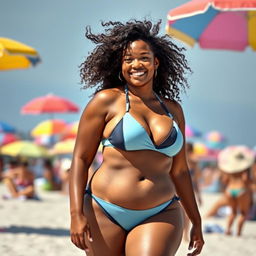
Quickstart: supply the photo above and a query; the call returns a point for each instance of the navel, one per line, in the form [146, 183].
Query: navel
[141, 178]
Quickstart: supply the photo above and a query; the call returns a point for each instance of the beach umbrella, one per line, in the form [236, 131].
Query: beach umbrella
[63, 147]
[24, 148]
[70, 131]
[16, 55]
[6, 138]
[49, 127]
[192, 132]
[45, 140]
[49, 104]
[4, 127]
[200, 149]
[215, 24]
[203, 152]
[215, 140]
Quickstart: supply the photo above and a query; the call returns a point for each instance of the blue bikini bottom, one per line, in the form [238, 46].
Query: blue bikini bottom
[126, 218]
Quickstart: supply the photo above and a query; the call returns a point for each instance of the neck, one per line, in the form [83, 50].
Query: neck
[143, 92]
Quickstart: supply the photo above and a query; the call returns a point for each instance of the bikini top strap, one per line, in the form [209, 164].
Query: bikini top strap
[163, 106]
[127, 105]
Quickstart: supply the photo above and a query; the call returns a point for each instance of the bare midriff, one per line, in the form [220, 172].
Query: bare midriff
[134, 179]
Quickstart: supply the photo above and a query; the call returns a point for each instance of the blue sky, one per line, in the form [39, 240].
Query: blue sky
[223, 83]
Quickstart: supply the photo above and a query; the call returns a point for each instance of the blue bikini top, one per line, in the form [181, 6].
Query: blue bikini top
[130, 135]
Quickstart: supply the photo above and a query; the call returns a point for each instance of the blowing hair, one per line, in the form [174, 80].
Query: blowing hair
[102, 67]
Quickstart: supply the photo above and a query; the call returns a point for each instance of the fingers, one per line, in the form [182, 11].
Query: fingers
[198, 245]
[88, 234]
[79, 239]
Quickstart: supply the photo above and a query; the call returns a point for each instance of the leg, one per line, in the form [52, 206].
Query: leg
[244, 203]
[11, 187]
[232, 202]
[160, 235]
[108, 238]
[27, 191]
[222, 201]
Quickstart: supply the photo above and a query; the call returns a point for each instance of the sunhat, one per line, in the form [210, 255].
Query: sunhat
[235, 159]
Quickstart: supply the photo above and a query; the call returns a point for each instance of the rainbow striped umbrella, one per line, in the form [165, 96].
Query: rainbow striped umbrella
[215, 24]
[70, 131]
[49, 127]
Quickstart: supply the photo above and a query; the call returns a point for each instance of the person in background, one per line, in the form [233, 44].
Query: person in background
[52, 182]
[235, 162]
[19, 180]
[195, 174]
[131, 204]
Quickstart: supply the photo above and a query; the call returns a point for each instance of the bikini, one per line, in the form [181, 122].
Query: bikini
[236, 192]
[130, 135]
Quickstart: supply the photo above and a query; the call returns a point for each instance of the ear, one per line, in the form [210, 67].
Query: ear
[156, 62]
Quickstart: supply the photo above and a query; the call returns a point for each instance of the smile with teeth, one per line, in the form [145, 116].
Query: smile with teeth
[138, 73]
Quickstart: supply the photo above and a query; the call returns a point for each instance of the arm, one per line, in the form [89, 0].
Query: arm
[90, 131]
[182, 181]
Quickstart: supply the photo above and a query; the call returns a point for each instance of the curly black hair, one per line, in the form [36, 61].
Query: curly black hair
[103, 66]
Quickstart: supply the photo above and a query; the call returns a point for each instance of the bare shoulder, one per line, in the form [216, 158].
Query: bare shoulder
[176, 109]
[103, 99]
[107, 96]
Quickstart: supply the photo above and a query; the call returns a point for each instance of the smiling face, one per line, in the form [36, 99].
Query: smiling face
[139, 64]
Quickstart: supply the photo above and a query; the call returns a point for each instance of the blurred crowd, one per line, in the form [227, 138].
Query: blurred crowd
[233, 177]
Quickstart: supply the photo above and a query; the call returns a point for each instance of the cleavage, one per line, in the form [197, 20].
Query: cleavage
[157, 128]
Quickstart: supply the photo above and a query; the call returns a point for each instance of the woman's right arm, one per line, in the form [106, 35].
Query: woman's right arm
[89, 135]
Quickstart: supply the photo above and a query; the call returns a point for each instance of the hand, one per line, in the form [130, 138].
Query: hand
[79, 229]
[196, 240]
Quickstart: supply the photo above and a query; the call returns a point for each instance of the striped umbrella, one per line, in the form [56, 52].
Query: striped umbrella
[215, 24]
[49, 127]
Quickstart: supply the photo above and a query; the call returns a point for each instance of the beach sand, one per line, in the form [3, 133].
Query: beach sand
[41, 228]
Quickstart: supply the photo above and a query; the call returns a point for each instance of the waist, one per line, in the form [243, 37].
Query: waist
[130, 189]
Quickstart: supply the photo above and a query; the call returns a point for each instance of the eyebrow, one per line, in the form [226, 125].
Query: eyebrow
[143, 53]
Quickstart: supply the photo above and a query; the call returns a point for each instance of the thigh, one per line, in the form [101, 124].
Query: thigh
[244, 202]
[160, 235]
[232, 202]
[108, 238]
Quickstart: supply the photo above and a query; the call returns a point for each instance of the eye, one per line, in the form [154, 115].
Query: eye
[145, 58]
[127, 59]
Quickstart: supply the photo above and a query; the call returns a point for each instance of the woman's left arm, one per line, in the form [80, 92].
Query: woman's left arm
[183, 184]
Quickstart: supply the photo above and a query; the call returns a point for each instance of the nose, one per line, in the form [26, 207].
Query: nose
[136, 63]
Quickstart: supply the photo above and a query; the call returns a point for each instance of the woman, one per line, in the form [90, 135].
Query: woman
[131, 205]
[235, 162]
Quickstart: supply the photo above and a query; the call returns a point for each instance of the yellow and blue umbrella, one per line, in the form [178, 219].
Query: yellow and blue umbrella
[215, 24]
[16, 55]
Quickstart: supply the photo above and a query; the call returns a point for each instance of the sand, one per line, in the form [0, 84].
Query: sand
[41, 228]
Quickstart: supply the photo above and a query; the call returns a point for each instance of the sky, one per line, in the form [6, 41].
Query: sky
[222, 86]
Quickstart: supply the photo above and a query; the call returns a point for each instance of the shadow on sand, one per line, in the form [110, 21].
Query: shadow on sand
[35, 230]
